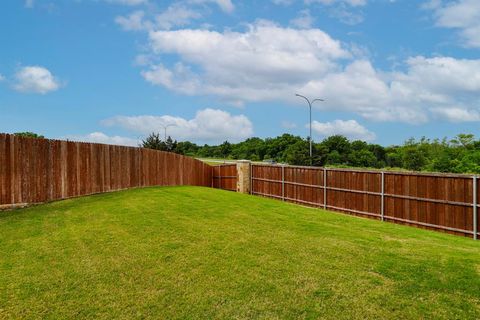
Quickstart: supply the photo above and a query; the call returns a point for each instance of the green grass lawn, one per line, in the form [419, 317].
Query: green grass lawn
[198, 253]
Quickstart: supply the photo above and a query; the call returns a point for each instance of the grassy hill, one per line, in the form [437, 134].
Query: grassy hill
[198, 253]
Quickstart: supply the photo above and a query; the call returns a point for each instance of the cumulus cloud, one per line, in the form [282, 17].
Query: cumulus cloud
[175, 15]
[208, 125]
[455, 114]
[225, 5]
[270, 63]
[100, 137]
[402, 96]
[35, 79]
[255, 65]
[349, 128]
[267, 62]
[463, 15]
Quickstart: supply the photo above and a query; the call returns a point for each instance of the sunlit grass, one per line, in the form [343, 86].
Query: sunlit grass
[189, 252]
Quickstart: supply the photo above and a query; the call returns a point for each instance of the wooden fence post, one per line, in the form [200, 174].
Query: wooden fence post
[382, 212]
[324, 188]
[475, 208]
[283, 182]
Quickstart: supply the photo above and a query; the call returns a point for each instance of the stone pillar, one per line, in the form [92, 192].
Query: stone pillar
[243, 176]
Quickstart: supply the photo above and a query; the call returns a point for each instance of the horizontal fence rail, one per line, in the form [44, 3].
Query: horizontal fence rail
[41, 170]
[225, 177]
[432, 201]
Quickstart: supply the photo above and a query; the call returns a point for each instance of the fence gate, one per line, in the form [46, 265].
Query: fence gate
[225, 177]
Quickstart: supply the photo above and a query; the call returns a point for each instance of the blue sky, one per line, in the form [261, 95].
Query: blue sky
[114, 70]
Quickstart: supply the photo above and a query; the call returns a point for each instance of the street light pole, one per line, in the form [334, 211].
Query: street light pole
[165, 128]
[310, 107]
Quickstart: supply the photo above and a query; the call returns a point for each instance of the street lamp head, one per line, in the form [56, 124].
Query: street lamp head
[310, 105]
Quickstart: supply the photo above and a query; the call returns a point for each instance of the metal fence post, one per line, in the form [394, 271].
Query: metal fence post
[382, 212]
[324, 188]
[475, 208]
[283, 182]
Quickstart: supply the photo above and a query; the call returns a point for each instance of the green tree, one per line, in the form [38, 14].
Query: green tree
[170, 144]
[225, 149]
[186, 148]
[393, 159]
[413, 159]
[153, 141]
[297, 153]
[363, 158]
[465, 140]
[28, 134]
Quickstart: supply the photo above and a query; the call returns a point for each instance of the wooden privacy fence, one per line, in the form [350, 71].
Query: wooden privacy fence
[433, 201]
[40, 170]
[225, 177]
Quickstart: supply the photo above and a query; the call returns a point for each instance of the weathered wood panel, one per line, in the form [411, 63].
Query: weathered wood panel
[40, 170]
[225, 177]
[431, 201]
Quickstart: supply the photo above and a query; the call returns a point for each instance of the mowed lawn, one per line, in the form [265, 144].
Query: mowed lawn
[199, 253]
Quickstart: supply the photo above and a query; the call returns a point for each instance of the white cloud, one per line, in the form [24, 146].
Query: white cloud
[346, 15]
[347, 11]
[455, 114]
[304, 20]
[267, 62]
[2, 78]
[133, 22]
[349, 128]
[255, 65]
[208, 125]
[428, 83]
[35, 79]
[463, 15]
[176, 15]
[29, 3]
[225, 5]
[100, 137]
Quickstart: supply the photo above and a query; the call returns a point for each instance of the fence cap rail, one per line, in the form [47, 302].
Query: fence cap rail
[76, 142]
[373, 171]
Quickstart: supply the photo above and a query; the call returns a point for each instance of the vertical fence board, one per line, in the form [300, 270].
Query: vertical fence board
[225, 177]
[39, 170]
[430, 201]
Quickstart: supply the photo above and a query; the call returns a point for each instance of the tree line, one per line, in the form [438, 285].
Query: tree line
[458, 155]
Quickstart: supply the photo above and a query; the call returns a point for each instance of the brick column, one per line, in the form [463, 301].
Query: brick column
[243, 176]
